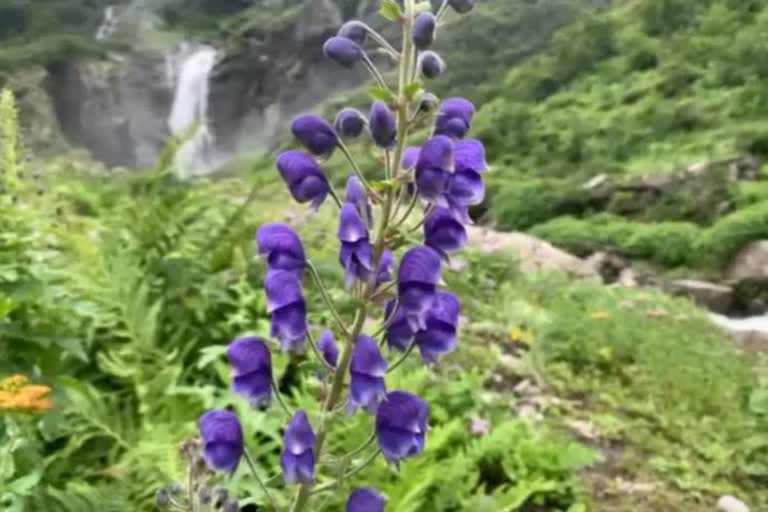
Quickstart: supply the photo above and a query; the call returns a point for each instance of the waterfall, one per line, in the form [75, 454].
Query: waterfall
[190, 110]
[108, 24]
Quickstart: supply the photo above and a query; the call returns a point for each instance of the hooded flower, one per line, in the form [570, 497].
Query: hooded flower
[424, 30]
[251, 365]
[349, 123]
[356, 255]
[410, 157]
[401, 425]
[329, 349]
[315, 134]
[285, 303]
[355, 194]
[298, 457]
[431, 64]
[443, 232]
[418, 277]
[222, 438]
[365, 499]
[354, 30]
[439, 337]
[469, 155]
[343, 51]
[462, 6]
[367, 370]
[433, 169]
[454, 118]
[386, 266]
[399, 333]
[304, 178]
[282, 248]
[382, 124]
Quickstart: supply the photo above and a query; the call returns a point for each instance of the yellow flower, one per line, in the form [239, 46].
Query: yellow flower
[17, 395]
[599, 315]
[518, 335]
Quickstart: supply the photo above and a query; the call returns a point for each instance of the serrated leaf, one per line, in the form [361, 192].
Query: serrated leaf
[380, 93]
[390, 10]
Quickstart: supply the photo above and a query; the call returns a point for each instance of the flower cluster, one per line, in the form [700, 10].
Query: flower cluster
[18, 395]
[440, 179]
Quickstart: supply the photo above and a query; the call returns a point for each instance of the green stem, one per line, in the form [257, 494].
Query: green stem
[283, 405]
[345, 150]
[327, 298]
[349, 474]
[374, 72]
[263, 486]
[378, 38]
[402, 358]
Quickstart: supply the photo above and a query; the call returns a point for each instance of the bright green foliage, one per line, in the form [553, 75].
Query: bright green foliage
[9, 139]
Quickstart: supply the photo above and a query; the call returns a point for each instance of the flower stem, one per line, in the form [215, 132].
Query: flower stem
[344, 149]
[327, 298]
[261, 483]
[402, 358]
[283, 405]
[374, 71]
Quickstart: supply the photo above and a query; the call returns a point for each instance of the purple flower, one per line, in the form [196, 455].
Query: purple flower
[298, 457]
[433, 169]
[367, 370]
[454, 118]
[469, 155]
[355, 194]
[424, 30]
[439, 337]
[251, 365]
[222, 440]
[401, 425]
[343, 51]
[282, 248]
[304, 178]
[329, 349]
[354, 30]
[431, 64]
[410, 157]
[417, 284]
[462, 6]
[285, 303]
[356, 255]
[399, 333]
[465, 188]
[382, 124]
[443, 232]
[349, 123]
[365, 499]
[315, 134]
[385, 268]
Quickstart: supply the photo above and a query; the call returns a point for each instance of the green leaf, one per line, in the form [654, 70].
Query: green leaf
[380, 93]
[390, 10]
[413, 89]
[424, 6]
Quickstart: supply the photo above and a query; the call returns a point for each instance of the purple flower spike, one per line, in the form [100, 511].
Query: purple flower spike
[417, 284]
[251, 365]
[285, 303]
[354, 30]
[329, 349]
[304, 178]
[349, 123]
[222, 438]
[424, 30]
[399, 333]
[282, 248]
[454, 118]
[410, 157]
[298, 457]
[343, 51]
[356, 255]
[315, 134]
[386, 266]
[431, 64]
[443, 232]
[367, 371]
[401, 425]
[442, 325]
[462, 6]
[355, 194]
[469, 155]
[382, 124]
[365, 499]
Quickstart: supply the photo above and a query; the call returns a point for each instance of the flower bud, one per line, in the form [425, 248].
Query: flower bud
[349, 123]
[298, 456]
[329, 349]
[204, 496]
[343, 51]
[163, 498]
[462, 6]
[424, 30]
[431, 65]
[175, 488]
[427, 103]
[354, 30]
[382, 125]
[220, 495]
[315, 134]
[365, 499]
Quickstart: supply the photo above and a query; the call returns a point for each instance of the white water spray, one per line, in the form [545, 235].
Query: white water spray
[108, 24]
[190, 111]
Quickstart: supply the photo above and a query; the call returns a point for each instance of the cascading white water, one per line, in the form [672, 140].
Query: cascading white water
[190, 111]
[108, 24]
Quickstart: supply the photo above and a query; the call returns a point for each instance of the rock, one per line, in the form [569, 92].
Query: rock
[750, 334]
[750, 264]
[715, 297]
[628, 278]
[731, 504]
[533, 253]
[609, 266]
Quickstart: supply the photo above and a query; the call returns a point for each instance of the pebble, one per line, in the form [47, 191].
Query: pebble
[731, 504]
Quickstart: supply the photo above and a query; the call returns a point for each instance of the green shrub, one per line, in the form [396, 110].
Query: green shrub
[733, 232]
